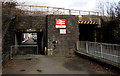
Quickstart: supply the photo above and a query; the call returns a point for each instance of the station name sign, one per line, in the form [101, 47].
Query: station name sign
[60, 23]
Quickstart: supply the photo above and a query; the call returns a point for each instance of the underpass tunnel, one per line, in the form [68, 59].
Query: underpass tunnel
[40, 42]
[31, 38]
[18, 38]
[87, 32]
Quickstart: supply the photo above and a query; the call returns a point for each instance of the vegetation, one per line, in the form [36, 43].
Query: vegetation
[110, 28]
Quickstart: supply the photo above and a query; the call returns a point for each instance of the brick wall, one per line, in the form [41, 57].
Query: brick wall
[31, 22]
[66, 43]
[19, 24]
[7, 39]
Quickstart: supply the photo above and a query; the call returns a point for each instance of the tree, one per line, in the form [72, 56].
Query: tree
[111, 27]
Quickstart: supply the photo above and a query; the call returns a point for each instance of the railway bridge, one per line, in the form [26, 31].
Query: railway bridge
[58, 32]
[54, 27]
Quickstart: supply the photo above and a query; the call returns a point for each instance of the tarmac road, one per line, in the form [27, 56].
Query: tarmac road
[41, 64]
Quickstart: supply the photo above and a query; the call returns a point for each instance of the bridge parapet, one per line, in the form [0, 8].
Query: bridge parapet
[46, 10]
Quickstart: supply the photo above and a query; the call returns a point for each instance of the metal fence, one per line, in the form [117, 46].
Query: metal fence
[46, 10]
[110, 52]
[23, 51]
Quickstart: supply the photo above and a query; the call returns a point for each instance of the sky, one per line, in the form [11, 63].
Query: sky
[87, 5]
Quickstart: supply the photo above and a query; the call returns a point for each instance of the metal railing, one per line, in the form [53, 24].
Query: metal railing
[105, 51]
[38, 10]
[18, 51]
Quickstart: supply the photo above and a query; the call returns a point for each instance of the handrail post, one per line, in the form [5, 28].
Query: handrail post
[69, 12]
[87, 47]
[101, 49]
[79, 12]
[37, 50]
[78, 44]
[47, 10]
[11, 57]
[89, 13]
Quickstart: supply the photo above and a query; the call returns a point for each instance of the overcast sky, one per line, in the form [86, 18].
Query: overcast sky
[88, 5]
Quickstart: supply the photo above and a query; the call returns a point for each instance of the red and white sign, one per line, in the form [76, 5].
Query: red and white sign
[60, 23]
[63, 31]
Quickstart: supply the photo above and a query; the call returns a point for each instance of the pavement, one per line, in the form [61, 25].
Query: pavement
[29, 41]
[42, 64]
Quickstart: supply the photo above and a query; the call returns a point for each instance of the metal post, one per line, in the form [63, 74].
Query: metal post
[95, 35]
[99, 22]
[45, 50]
[87, 48]
[101, 49]
[11, 57]
[47, 10]
[89, 13]
[77, 45]
[53, 11]
[69, 12]
[98, 13]
[58, 12]
[63, 11]
[30, 10]
[37, 49]
[79, 13]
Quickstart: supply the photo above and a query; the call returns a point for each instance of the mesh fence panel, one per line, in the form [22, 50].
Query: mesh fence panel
[23, 51]
[105, 51]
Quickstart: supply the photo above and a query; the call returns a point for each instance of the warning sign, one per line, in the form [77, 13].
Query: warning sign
[62, 31]
[60, 23]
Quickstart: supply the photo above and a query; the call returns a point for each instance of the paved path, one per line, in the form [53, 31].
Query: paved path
[30, 41]
[50, 65]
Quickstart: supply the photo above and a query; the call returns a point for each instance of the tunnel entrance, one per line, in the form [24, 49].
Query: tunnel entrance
[33, 40]
[87, 32]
